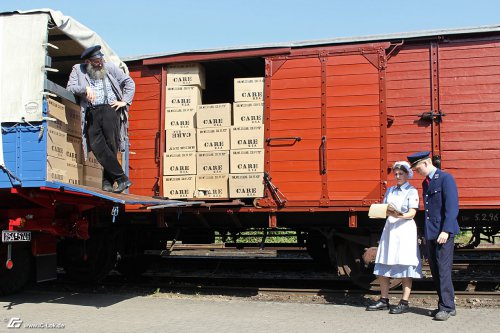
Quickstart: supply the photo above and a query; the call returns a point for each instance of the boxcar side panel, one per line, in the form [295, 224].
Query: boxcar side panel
[353, 128]
[144, 123]
[295, 111]
[469, 84]
[408, 96]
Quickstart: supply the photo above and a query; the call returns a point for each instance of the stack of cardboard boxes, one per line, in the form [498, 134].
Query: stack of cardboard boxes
[208, 156]
[64, 147]
[183, 95]
[247, 139]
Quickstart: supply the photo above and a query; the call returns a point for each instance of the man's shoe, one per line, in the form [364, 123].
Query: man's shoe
[442, 315]
[380, 305]
[122, 185]
[107, 186]
[400, 308]
[433, 313]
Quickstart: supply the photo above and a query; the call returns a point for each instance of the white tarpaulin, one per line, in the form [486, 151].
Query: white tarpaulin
[22, 59]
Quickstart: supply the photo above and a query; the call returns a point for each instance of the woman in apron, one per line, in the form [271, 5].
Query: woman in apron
[397, 254]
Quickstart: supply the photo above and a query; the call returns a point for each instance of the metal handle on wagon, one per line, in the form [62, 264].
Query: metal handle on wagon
[323, 155]
[157, 147]
[294, 138]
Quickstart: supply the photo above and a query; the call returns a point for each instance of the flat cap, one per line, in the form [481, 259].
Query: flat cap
[92, 52]
[417, 157]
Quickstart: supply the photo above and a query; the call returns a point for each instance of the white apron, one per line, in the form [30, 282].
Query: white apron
[398, 243]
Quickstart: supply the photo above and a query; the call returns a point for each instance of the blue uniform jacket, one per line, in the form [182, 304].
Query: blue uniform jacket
[441, 205]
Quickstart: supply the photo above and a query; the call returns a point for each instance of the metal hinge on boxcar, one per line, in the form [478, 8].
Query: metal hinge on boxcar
[432, 116]
[277, 195]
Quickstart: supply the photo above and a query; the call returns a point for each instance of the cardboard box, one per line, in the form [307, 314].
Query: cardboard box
[56, 110]
[249, 89]
[212, 162]
[92, 161]
[74, 119]
[213, 115]
[92, 176]
[176, 164]
[179, 187]
[180, 140]
[247, 160]
[247, 137]
[212, 186]
[74, 150]
[210, 139]
[248, 113]
[182, 96]
[186, 75]
[74, 173]
[56, 141]
[246, 185]
[56, 169]
[180, 118]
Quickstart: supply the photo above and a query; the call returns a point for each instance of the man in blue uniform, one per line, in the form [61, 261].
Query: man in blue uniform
[440, 196]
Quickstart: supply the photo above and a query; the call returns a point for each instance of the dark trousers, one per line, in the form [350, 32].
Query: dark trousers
[103, 132]
[440, 258]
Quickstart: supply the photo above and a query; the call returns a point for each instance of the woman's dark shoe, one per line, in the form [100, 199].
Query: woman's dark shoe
[380, 305]
[400, 308]
[122, 184]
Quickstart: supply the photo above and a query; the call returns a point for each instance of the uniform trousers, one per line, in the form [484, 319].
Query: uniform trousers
[103, 132]
[440, 258]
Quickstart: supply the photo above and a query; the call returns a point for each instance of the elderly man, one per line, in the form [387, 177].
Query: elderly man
[440, 227]
[105, 93]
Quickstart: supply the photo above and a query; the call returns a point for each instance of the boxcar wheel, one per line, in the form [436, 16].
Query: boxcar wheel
[15, 279]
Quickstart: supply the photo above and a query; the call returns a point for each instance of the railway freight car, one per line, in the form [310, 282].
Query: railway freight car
[52, 211]
[336, 115]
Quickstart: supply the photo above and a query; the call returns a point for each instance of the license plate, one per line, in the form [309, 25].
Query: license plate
[15, 236]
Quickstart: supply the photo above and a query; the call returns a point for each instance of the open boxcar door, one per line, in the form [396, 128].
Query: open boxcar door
[325, 125]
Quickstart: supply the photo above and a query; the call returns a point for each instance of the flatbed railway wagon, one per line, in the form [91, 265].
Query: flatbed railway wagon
[52, 211]
[336, 114]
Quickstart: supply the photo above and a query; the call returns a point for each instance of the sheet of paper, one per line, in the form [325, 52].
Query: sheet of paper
[378, 211]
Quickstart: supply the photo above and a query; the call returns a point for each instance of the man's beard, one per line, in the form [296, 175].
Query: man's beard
[96, 73]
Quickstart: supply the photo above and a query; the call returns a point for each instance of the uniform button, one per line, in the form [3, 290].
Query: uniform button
[426, 210]
[427, 218]
[426, 203]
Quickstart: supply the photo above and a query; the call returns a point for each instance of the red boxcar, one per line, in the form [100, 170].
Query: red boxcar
[337, 115]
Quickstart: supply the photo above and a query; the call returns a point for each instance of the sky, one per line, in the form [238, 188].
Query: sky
[139, 27]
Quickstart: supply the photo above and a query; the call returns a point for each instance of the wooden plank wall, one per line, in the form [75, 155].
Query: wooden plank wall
[295, 110]
[469, 79]
[408, 93]
[353, 128]
[144, 123]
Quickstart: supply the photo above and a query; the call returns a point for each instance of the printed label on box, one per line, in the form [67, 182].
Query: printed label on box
[249, 185]
[179, 187]
[180, 140]
[210, 139]
[212, 162]
[247, 160]
[213, 115]
[247, 137]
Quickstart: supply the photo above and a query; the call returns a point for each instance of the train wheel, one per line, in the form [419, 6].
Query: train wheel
[317, 248]
[350, 262]
[91, 260]
[15, 279]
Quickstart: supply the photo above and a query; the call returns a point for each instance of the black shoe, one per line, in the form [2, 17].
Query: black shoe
[433, 313]
[380, 305]
[122, 184]
[107, 186]
[400, 308]
[442, 315]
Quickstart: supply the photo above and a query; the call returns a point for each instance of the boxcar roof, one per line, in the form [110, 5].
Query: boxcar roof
[333, 41]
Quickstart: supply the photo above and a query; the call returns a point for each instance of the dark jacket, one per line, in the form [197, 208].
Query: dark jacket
[123, 87]
[441, 205]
